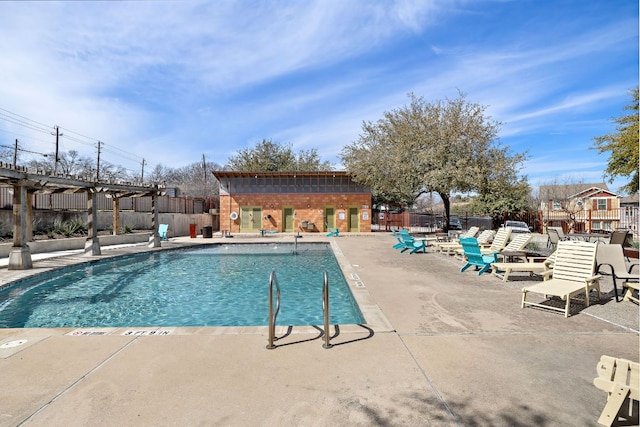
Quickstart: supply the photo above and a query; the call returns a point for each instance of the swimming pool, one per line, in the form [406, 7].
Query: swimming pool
[216, 285]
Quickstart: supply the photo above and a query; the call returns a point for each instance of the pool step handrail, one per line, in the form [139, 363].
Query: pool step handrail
[273, 312]
[325, 309]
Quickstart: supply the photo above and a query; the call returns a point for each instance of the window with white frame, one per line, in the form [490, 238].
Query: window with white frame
[557, 206]
[602, 204]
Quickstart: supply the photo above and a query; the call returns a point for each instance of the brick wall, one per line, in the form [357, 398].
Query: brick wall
[306, 207]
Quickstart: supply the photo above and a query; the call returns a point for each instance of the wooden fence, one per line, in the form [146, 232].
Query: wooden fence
[78, 202]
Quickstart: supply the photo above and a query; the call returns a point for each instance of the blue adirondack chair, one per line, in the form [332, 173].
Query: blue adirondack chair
[162, 231]
[396, 234]
[333, 232]
[474, 257]
[410, 243]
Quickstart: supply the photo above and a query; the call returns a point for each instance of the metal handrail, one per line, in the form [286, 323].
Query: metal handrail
[295, 243]
[325, 309]
[273, 314]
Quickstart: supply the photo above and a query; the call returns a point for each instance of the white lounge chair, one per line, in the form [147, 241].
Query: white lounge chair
[450, 248]
[504, 269]
[499, 241]
[573, 274]
[517, 244]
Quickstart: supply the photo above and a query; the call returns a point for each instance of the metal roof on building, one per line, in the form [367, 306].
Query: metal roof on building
[237, 174]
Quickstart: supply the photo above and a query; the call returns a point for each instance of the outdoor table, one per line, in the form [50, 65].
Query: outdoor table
[442, 237]
[524, 255]
[586, 236]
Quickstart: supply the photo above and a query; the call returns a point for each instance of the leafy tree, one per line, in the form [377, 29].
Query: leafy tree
[268, 156]
[444, 147]
[623, 145]
[377, 160]
[501, 189]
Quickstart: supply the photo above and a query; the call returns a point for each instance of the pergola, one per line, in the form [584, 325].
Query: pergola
[25, 182]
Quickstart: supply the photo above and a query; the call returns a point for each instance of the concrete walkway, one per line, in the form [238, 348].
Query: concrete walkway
[447, 348]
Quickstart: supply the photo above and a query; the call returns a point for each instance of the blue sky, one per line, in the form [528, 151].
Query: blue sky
[171, 81]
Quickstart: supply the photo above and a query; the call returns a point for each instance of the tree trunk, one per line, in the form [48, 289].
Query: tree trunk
[447, 208]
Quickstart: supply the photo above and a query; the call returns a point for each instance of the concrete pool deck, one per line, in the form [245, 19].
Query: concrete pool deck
[457, 349]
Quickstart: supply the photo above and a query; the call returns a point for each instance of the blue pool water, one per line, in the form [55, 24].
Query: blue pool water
[218, 285]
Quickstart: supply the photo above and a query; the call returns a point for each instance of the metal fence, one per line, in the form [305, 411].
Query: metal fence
[78, 202]
[424, 222]
[594, 221]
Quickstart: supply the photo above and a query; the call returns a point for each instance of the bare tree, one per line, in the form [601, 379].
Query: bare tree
[557, 197]
[195, 179]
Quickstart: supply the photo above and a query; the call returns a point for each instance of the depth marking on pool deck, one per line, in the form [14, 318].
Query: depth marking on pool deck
[147, 333]
[85, 333]
[81, 333]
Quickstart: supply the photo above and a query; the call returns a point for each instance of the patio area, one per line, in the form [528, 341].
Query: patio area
[449, 349]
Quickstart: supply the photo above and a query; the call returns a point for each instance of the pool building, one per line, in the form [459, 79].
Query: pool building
[307, 202]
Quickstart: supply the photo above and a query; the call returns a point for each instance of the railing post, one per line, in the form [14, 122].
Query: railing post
[273, 314]
[325, 307]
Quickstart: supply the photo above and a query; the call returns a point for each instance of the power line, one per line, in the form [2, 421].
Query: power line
[25, 118]
[120, 155]
[20, 120]
[23, 150]
[26, 136]
[23, 124]
[126, 152]
[79, 134]
[71, 138]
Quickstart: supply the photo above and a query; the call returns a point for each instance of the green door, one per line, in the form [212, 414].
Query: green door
[287, 219]
[354, 224]
[250, 219]
[329, 218]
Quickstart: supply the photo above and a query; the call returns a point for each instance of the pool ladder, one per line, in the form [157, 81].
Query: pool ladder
[325, 310]
[273, 311]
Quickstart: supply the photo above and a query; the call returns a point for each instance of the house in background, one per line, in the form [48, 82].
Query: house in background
[629, 213]
[292, 202]
[582, 208]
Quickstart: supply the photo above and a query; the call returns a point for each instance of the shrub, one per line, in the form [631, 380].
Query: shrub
[69, 228]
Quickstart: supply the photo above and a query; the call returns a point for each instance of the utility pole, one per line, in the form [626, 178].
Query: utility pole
[98, 164]
[15, 154]
[142, 175]
[58, 135]
[204, 169]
